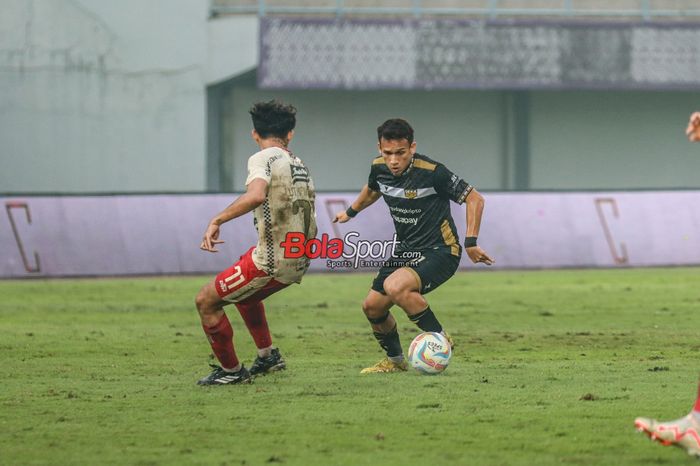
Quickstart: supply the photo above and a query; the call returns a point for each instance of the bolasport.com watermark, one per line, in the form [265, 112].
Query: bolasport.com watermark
[348, 252]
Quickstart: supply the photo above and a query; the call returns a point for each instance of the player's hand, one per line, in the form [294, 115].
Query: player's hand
[693, 129]
[476, 254]
[341, 217]
[211, 238]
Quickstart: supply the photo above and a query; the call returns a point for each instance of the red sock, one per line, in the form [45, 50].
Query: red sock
[254, 317]
[697, 401]
[221, 340]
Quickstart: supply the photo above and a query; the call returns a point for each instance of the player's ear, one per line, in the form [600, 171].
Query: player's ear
[290, 135]
[256, 137]
[379, 147]
[413, 147]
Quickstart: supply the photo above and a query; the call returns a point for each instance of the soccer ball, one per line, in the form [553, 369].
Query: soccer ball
[429, 353]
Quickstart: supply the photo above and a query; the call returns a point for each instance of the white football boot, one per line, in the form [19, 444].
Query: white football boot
[683, 433]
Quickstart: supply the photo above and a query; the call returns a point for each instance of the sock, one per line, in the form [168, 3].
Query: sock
[696, 408]
[390, 343]
[221, 340]
[234, 369]
[426, 321]
[265, 352]
[254, 317]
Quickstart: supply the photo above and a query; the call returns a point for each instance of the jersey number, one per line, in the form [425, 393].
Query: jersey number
[237, 278]
[304, 206]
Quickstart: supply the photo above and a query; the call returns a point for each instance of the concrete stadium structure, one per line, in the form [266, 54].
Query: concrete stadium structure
[100, 96]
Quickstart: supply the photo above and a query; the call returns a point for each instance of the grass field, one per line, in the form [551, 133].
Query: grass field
[551, 368]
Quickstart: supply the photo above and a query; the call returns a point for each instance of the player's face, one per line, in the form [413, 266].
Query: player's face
[397, 154]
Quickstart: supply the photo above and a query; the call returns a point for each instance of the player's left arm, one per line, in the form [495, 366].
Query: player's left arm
[475, 208]
[255, 195]
[366, 198]
[456, 189]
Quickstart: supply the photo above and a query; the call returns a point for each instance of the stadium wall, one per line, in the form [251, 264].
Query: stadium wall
[98, 99]
[336, 132]
[139, 235]
[104, 96]
[612, 139]
[577, 139]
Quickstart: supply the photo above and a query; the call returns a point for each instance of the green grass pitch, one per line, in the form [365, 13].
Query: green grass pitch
[550, 368]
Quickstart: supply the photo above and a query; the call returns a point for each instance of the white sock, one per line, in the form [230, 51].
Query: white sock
[265, 352]
[233, 369]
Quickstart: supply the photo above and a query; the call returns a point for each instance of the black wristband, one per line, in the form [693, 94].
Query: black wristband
[470, 241]
[350, 212]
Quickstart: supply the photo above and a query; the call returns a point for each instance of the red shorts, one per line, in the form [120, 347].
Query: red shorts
[244, 283]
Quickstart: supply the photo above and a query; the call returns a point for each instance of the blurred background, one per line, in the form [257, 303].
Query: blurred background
[100, 96]
[124, 129]
[519, 97]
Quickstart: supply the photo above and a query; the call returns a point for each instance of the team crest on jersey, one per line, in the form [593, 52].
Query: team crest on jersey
[410, 193]
[300, 174]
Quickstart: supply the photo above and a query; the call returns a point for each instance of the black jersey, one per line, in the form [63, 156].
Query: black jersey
[419, 202]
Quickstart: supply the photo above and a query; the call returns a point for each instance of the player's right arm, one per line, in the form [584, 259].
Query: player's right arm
[693, 129]
[366, 198]
[255, 195]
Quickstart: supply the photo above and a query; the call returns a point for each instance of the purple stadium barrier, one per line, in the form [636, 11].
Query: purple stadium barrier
[160, 234]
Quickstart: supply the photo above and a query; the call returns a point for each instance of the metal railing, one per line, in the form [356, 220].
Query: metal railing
[642, 9]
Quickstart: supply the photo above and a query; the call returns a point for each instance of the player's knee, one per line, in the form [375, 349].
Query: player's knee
[202, 302]
[199, 302]
[367, 307]
[393, 288]
[372, 309]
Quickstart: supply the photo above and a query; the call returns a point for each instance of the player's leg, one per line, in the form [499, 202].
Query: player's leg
[376, 308]
[268, 357]
[219, 332]
[403, 288]
[407, 285]
[247, 286]
[683, 432]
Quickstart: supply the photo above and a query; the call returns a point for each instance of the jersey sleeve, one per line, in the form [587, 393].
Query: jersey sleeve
[451, 186]
[372, 181]
[258, 168]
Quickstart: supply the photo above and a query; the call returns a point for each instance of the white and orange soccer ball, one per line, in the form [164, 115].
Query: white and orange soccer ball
[429, 353]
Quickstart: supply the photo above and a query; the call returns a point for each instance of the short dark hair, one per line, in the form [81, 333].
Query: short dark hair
[273, 119]
[394, 130]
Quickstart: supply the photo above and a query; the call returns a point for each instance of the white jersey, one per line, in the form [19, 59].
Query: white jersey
[288, 207]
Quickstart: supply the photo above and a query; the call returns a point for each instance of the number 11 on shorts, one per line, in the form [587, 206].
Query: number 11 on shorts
[237, 278]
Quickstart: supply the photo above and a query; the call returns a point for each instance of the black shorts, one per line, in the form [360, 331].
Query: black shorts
[434, 267]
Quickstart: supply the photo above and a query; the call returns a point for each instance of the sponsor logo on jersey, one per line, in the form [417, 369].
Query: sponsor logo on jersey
[300, 174]
[402, 193]
[405, 220]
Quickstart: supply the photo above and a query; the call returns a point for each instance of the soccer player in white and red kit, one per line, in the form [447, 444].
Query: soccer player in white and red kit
[683, 432]
[281, 195]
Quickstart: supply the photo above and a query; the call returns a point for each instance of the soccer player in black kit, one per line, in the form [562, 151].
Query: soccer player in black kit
[418, 191]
